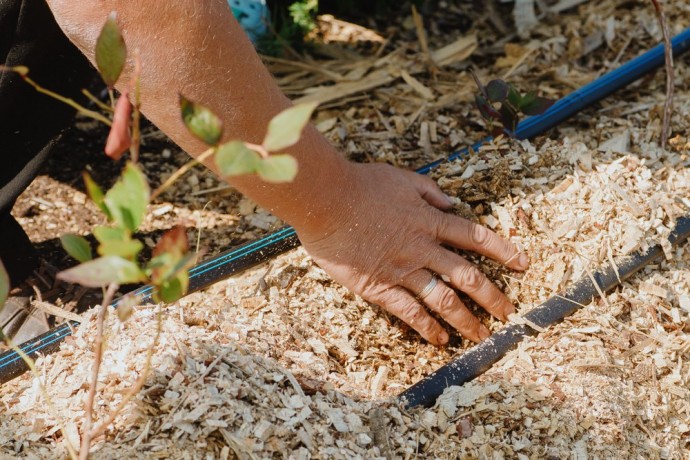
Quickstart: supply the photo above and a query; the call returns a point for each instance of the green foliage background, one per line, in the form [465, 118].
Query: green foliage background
[292, 20]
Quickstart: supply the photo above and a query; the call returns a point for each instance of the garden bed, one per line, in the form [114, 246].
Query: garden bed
[280, 361]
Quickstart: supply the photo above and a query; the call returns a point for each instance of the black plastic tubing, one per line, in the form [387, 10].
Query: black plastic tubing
[200, 276]
[482, 356]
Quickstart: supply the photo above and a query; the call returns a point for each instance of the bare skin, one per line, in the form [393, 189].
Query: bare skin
[375, 229]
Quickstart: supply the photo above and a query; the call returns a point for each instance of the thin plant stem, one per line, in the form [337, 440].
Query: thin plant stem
[98, 358]
[96, 101]
[80, 108]
[139, 384]
[65, 100]
[180, 172]
[136, 112]
[670, 87]
[260, 149]
[111, 96]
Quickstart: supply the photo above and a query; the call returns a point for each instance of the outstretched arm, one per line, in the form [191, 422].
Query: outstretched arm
[375, 229]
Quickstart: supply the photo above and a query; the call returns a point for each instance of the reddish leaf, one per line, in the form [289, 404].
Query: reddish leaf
[170, 264]
[499, 130]
[486, 109]
[174, 242]
[509, 117]
[119, 139]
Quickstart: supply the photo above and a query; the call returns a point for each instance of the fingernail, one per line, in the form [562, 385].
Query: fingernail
[507, 311]
[450, 201]
[443, 338]
[483, 332]
[523, 261]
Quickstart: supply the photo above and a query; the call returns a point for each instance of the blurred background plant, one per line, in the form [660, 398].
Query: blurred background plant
[290, 22]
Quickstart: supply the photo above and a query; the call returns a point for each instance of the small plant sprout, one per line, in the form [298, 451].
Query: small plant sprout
[500, 104]
[117, 256]
[236, 157]
[111, 52]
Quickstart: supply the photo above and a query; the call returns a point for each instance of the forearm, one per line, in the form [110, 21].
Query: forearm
[195, 47]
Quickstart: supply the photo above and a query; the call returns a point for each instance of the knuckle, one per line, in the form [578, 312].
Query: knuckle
[446, 302]
[472, 279]
[413, 314]
[439, 223]
[479, 236]
[467, 323]
[498, 304]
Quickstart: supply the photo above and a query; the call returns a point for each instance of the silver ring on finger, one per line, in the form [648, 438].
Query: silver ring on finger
[428, 288]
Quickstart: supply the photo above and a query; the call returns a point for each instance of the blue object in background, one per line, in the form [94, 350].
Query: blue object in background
[253, 16]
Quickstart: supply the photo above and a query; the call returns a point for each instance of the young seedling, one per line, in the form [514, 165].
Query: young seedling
[237, 157]
[501, 104]
[116, 260]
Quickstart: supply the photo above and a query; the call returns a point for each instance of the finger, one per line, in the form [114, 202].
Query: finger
[430, 192]
[463, 234]
[402, 304]
[445, 302]
[470, 280]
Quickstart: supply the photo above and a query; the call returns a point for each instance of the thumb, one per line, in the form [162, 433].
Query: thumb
[430, 192]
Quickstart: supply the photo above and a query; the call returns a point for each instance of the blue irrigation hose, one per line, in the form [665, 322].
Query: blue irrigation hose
[258, 251]
[593, 92]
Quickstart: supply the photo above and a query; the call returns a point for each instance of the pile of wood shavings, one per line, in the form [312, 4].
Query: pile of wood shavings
[573, 209]
[610, 382]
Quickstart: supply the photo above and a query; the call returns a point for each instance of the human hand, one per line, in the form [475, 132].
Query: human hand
[384, 242]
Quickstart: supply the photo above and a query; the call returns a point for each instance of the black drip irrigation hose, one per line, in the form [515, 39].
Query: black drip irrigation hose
[481, 357]
[201, 276]
[258, 251]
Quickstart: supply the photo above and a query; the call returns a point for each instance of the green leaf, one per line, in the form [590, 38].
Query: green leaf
[76, 246]
[527, 99]
[111, 52]
[234, 159]
[96, 194]
[117, 241]
[534, 105]
[103, 271]
[200, 121]
[127, 249]
[172, 289]
[278, 168]
[4, 286]
[514, 98]
[104, 234]
[497, 90]
[128, 198]
[285, 129]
